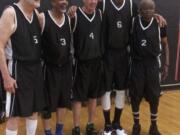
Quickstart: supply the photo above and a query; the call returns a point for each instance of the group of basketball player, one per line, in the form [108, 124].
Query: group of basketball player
[49, 60]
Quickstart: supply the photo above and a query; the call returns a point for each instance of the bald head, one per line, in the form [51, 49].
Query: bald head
[147, 9]
[146, 4]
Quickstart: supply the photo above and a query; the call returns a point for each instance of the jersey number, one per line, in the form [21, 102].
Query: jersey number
[144, 42]
[35, 39]
[63, 41]
[91, 35]
[119, 24]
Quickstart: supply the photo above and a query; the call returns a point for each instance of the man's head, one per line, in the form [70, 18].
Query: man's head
[90, 4]
[33, 3]
[60, 5]
[147, 9]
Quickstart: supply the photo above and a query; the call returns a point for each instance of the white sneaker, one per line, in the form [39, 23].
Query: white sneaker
[107, 133]
[120, 132]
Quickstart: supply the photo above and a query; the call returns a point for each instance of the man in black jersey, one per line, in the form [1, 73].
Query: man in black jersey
[86, 27]
[117, 20]
[56, 41]
[146, 49]
[20, 44]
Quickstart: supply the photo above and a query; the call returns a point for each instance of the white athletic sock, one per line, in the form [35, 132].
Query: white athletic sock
[31, 126]
[11, 132]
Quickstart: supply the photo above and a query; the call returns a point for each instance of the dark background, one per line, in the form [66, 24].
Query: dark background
[170, 9]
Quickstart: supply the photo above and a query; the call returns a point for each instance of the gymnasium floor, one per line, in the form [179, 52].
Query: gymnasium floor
[169, 118]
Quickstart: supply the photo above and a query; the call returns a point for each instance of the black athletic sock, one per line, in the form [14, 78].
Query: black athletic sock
[153, 119]
[135, 103]
[136, 118]
[154, 111]
[107, 117]
[117, 115]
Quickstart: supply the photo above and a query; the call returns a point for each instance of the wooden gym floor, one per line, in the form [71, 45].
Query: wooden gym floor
[169, 118]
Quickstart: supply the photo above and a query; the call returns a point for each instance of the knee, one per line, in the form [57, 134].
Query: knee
[12, 123]
[120, 99]
[33, 117]
[106, 101]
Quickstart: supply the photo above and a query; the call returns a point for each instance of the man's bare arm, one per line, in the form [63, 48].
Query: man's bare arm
[7, 22]
[166, 65]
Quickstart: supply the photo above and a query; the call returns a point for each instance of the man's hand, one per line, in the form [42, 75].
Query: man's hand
[10, 84]
[72, 10]
[161, 20]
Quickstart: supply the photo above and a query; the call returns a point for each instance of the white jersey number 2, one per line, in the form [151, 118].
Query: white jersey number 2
[144, 42]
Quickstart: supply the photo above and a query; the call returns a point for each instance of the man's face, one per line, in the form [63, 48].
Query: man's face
[90, 4]
[60, 5]
[34, 3]
[147, 11]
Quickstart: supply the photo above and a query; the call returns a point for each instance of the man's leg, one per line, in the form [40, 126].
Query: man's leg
[76, 117]
[90, 128]
[106, 98]
[154, 114]
[137, 83]
[47, 126]
[135, 103]
[46, 118]
[12, 126]
[60, 116]
[153, 94]
[31, 124]
[119, 105]
[106, 105]
[92, 110]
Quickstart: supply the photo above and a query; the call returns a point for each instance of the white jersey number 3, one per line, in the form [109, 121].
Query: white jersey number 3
[63, 41]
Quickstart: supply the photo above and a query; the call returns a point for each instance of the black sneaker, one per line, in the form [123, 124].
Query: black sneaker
[90, 129]
[154, 130]
[136, 129]
[107, 129]
[76, 131]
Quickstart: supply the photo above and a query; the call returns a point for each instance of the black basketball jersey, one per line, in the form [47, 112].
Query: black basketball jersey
[117, 22]
[146, 39]
[86, 34]
[56, 40]
[26, 40]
